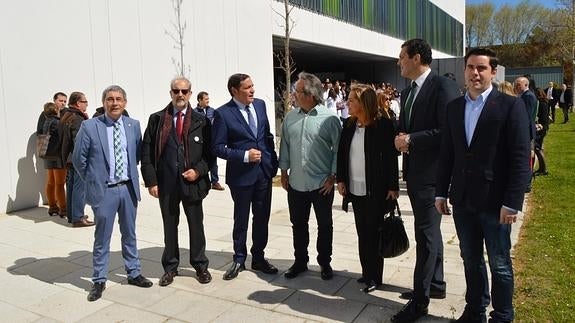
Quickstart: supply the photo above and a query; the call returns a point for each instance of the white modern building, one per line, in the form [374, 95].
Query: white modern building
[85, 45]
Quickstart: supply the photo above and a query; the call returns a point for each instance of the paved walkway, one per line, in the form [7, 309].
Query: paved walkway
[45, 270]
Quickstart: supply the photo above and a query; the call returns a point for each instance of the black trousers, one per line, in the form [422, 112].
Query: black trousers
[299, 209]
[367, 223]
[428, 271]
[170, 208]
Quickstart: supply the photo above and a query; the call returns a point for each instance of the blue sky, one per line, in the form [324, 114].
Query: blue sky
[546, 3]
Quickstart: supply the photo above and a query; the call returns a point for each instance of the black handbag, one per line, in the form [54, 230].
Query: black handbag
[393, 240]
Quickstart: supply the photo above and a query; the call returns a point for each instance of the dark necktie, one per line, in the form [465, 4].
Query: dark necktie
[119, 163]
[179, 125]
[251, 121]
[409, 102]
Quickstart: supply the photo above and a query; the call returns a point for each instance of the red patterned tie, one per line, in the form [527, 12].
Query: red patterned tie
[179, 125]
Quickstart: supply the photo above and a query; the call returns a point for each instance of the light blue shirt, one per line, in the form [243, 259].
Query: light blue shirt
[124, 144]
[473, 110]
[242, 108]
[309, 146]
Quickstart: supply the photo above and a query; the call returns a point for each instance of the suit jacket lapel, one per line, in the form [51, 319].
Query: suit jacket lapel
[421, 97]
[240, 117]
[103, 135]
[129, 137]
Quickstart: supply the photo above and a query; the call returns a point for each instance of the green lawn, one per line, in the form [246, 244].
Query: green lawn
[545, 254]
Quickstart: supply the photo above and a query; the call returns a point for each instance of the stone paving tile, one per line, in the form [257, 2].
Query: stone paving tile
[16, 314]
[191, 307]
[320, 307]
[67, 306]
[246, 314]
[122, 313]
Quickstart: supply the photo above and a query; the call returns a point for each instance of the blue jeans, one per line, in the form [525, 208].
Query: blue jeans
[473, 228]
[75, 196]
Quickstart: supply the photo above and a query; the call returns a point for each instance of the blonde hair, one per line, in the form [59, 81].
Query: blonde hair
[506, 87]
[366, 96]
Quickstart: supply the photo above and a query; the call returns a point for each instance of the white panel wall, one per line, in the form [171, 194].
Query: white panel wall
[86, 45]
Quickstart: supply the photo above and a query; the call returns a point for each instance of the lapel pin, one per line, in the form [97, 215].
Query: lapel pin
[196, 139]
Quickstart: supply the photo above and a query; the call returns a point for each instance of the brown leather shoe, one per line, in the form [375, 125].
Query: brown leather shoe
[83, 223]
[167, 278]
[204, 276]
[216, 186]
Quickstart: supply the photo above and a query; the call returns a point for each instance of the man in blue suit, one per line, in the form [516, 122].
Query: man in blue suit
[241, 135]
[106, 155]
[485, 159]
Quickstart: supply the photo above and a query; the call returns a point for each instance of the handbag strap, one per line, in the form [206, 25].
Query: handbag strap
[397, 208]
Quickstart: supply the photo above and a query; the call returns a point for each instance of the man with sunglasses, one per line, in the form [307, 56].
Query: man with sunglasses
[176, 159]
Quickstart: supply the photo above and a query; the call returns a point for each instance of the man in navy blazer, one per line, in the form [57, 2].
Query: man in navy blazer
[241, 135]
[106, 156]
[485, 158]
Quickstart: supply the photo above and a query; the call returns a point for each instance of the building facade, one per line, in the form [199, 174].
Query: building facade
[86, 45]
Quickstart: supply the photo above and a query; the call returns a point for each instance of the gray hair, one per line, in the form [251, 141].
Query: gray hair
[312, 86]
[113, 88]
[180, 78]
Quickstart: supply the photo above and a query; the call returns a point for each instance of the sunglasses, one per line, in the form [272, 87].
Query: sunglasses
[177, 91]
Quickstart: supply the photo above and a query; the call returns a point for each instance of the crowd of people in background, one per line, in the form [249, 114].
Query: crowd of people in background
[472, 148]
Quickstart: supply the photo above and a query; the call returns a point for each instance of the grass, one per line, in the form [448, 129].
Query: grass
[545, 254]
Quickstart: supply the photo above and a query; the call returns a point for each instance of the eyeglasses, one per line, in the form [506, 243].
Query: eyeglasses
[184, 91]
[83, 101]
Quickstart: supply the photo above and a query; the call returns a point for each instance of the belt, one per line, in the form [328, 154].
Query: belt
[118, 184]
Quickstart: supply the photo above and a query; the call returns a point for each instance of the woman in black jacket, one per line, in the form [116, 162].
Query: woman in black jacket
[367, 176]
[542, 127]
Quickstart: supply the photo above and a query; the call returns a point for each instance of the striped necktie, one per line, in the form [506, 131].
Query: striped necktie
[119, 162]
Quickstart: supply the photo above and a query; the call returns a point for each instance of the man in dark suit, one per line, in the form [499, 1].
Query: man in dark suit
[176, 157]
[241, 135]
[420, 121]
[204, 108]
[565, 101]
[553, 97]
[106, 156]
[484, 157]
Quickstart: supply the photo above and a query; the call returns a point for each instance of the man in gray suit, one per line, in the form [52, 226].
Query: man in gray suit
[106, 155]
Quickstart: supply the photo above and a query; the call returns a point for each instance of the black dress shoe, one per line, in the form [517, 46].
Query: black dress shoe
[96, 291]
[326, 272]
[140, 281]
[168, 278]
[265, 267]
[295, 270]
[234, 270]
[410, 312]
[468, 317]
[432, 294]
[370, 287]
[204, 276]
